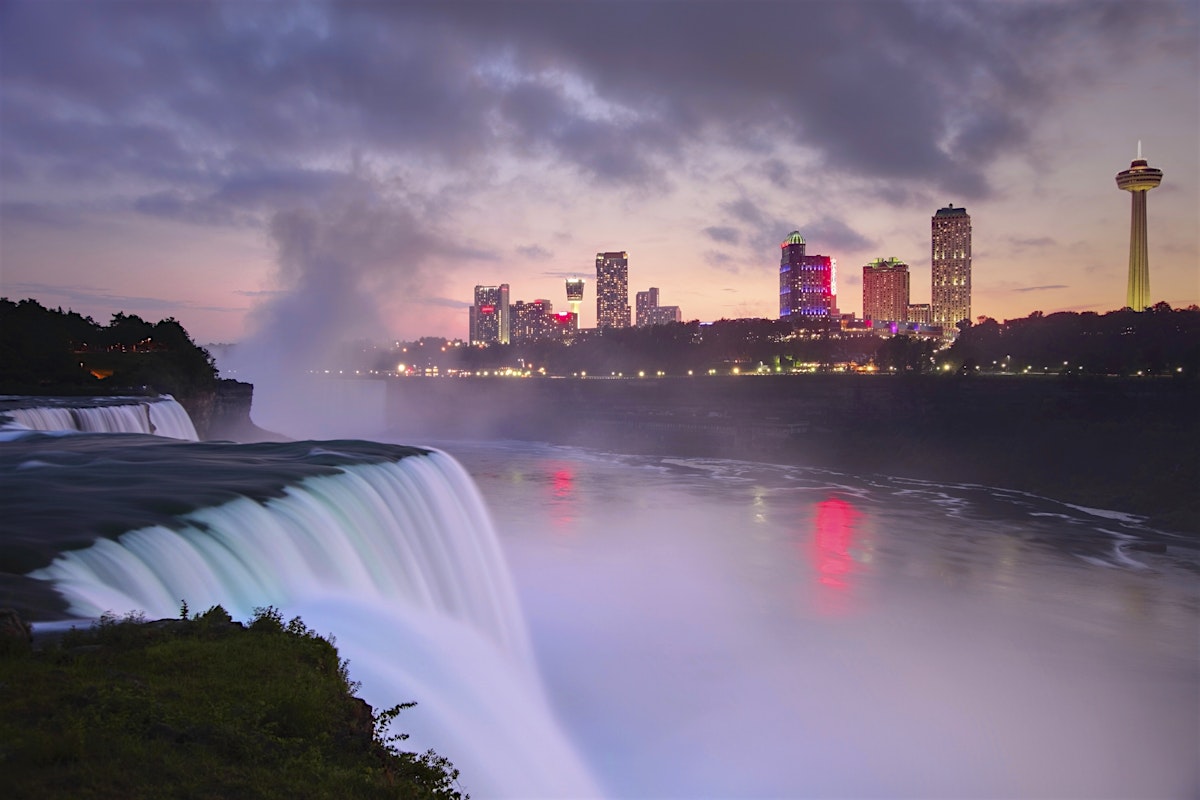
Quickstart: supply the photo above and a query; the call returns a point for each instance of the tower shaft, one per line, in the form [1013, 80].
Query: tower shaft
[1137, 293]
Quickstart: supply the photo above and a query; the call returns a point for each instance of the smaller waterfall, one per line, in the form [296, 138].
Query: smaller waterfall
[161, 416]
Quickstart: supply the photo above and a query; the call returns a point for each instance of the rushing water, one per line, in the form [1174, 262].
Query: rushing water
[665, 627]
[717, 628]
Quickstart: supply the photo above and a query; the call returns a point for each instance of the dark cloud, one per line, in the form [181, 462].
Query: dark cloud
[831, 236]
[723, 234]
[56, 216]
[928, 92]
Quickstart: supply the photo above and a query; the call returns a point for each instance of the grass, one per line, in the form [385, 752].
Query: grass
[199, 707]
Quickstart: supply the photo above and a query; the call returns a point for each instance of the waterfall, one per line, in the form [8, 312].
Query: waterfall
[161, 416]
[400, 561]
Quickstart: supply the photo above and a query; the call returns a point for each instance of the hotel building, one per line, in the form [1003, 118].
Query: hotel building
[885, 290]
[489, 320]
[951, 272]
[612, 290]
[807, 284]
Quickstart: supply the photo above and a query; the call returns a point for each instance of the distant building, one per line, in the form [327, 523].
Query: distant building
[919, 313]
[612, 290]
[532, 321]
[885, 290]
[649, 312]
[575, 295]
[807, 284]
[951, 239]
[489, 318]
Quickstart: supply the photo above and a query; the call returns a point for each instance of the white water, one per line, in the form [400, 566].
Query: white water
[399, 561]
[161, 417]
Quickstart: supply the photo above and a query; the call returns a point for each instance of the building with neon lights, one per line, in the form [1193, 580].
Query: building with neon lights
[1138, 180]
[612, 290]
[951, 272]
[885, 290]
[489, 315]
[807, 283]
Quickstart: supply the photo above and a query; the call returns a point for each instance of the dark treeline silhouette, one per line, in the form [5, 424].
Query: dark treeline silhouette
[51, 351]
[1159, 340]
[1156, 341]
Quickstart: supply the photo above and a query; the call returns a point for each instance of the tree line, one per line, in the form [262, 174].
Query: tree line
[51, 351]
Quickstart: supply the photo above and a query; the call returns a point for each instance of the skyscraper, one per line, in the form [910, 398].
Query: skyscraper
[885, 290]
[951, 295]
[1139, 179]
[489, 315]
[612, 290]
[806, 283]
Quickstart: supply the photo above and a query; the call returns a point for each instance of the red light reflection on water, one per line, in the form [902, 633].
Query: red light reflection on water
[834, 533]
[563, 500]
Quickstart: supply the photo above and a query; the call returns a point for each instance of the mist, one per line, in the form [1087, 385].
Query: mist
[348, 260]
[725, 629]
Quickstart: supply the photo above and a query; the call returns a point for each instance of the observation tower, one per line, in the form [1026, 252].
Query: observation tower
[575, 294]
[1137, 180]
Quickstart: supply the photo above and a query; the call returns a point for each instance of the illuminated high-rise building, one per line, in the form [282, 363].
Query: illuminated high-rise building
[489, 315]
[885, 290]
[919, 313]
[532, 321]
[951, 296]
[574, 294]
[807, 284]
[645, 301]
[1139, 179]
[612, 290]
[649, 312]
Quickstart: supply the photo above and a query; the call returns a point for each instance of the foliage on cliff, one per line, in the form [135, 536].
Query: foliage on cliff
[51, 351]
[1159, 340]
[200, 707]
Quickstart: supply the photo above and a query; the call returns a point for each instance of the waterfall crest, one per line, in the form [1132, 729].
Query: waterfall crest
[400, 560]
[161, 416]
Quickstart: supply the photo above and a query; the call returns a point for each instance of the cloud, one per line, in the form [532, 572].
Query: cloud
[931, 93]
[534, 252]
[92, 296]
[828, 235]
[1033, 241]
[723, 234]
[720, 260]
[446, 302]
[1041, 288]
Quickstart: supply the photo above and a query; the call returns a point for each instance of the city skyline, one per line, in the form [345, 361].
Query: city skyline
[361, 168]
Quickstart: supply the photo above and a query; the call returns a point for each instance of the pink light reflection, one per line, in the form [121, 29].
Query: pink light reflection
[563, 500]
[833, 537]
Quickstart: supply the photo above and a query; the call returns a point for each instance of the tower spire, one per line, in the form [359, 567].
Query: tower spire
[1139, 149]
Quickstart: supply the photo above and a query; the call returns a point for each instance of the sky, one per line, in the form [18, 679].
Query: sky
[353, 170]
